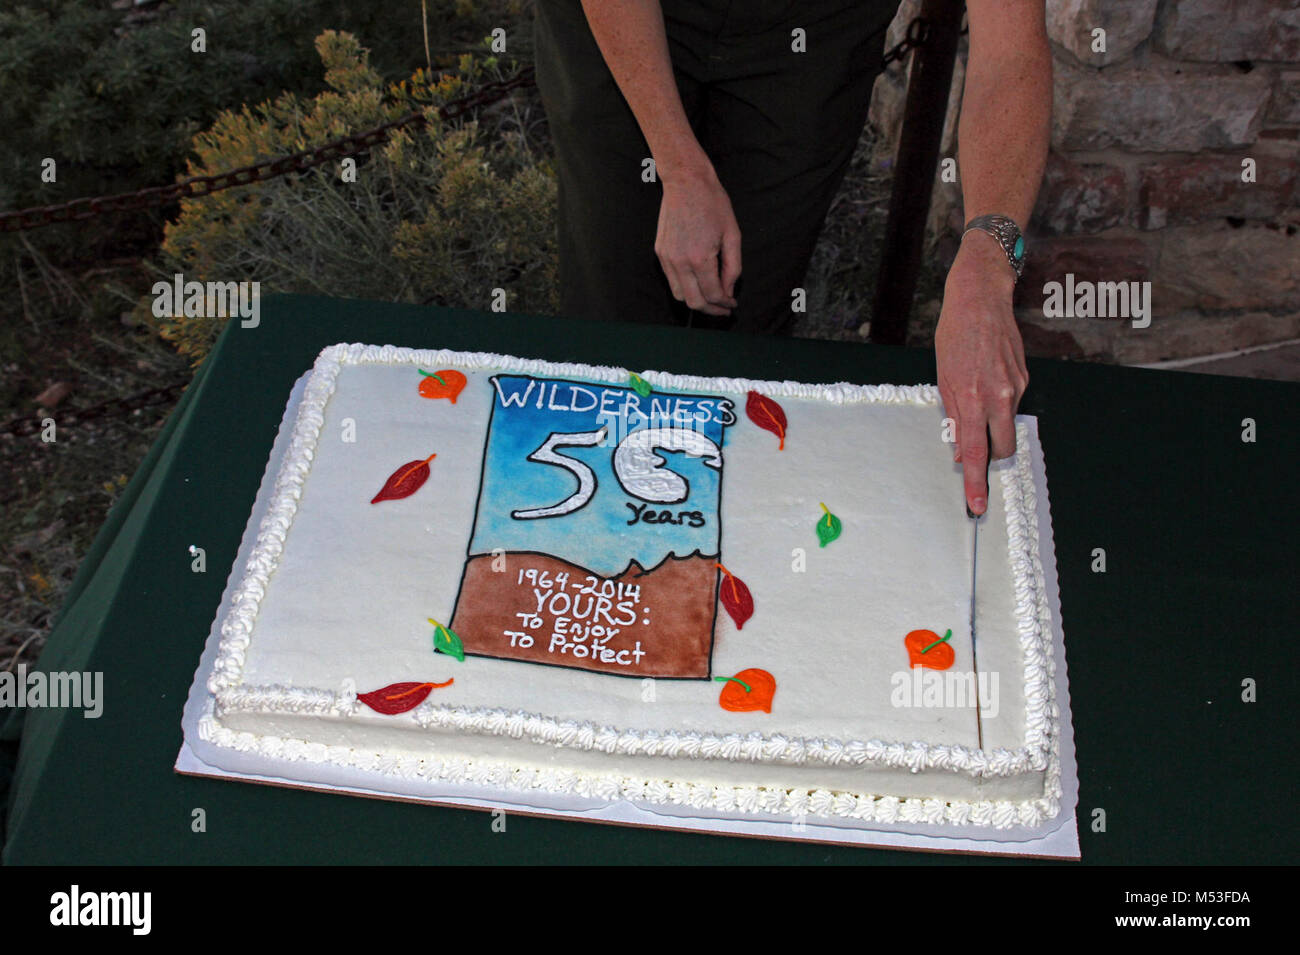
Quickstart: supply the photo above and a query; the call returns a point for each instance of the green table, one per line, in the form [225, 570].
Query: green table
[1198, 528]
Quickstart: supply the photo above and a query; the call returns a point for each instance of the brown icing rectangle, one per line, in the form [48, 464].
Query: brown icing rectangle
[540, 609]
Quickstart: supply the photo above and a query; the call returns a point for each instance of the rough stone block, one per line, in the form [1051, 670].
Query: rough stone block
[1156, 108]
[1209, 186]
[1070, 24]
[1118, 258]
[1284, 108]
[885, 114]
[1079, 197]
[1219, 32]
[1252, 267]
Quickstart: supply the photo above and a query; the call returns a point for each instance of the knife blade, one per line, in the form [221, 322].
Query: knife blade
[974, 563]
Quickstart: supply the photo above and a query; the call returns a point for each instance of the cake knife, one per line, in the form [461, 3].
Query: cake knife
[974, 557]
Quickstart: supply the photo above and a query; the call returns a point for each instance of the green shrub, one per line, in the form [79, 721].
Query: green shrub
[440, 215]
[115, 96]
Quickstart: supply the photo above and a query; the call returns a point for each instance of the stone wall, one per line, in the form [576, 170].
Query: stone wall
[1175, 160]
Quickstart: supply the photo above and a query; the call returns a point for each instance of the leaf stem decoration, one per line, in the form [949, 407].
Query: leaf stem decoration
[399, 697]
[640, 385]
[446, 641]
[946, 636]
[724, 679]
[405, 481]
[434, 375]
[747, 691]
[736, 597]
[828, 528]
[767, 414]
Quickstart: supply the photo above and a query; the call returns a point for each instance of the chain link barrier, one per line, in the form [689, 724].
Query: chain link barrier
[197, 186]
[918, 32]
[77, 210]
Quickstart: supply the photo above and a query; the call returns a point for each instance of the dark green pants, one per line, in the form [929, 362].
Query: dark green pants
[779, 126]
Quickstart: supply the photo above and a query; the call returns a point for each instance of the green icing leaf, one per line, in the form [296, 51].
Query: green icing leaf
[828, 527]
[640, 386]
[446, 641]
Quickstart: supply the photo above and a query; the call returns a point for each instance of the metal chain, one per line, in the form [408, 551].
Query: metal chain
[918, 34]
[114, 407]
[344, 146]
[918, 31]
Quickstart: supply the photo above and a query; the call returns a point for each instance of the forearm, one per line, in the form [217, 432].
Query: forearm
[1004, 134]
[1005, 125]
[631, 37]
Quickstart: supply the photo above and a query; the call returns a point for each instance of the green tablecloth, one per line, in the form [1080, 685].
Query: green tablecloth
[1198, 529]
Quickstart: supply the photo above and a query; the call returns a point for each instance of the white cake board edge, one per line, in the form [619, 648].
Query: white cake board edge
[1058, 839]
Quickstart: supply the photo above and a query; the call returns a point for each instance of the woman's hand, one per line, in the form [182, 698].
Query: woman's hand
[698, 242]
[980, 359]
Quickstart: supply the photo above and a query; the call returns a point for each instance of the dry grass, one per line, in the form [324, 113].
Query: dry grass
[66, 328]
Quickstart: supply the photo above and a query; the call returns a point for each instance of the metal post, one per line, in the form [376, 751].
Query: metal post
[918, 159]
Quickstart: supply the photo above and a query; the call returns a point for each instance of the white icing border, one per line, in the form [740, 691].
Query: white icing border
[868, 807]
[1041, 750]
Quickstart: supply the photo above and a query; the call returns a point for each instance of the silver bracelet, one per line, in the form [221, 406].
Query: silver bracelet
[1007, 234]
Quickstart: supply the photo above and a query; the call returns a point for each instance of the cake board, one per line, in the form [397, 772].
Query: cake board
[1058, 839]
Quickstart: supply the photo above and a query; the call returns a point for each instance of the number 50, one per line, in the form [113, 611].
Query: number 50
[637, 465]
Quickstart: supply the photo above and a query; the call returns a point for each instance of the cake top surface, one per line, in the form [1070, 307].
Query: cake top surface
[348, 592]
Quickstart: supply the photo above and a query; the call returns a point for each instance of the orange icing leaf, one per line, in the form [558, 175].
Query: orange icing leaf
[939, 656]
[447, 383]
[747, 691]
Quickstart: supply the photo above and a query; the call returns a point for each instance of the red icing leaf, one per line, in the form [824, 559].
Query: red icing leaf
[767, 414]
[405, 481]
[747, 691]
[399, 697]
[735, 597]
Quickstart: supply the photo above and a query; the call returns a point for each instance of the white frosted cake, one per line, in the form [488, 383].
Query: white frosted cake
[715, 597]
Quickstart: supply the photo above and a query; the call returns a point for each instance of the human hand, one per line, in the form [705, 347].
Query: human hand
[698, 242]
[981, 360]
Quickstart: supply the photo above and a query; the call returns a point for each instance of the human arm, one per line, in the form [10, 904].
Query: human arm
[698, 239]
[1003, 138]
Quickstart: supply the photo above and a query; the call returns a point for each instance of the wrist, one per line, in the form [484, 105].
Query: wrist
[1006, 233]
[983, 254]
[688, 164]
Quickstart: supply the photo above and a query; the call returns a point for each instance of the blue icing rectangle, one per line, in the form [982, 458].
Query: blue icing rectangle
[599, 475]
